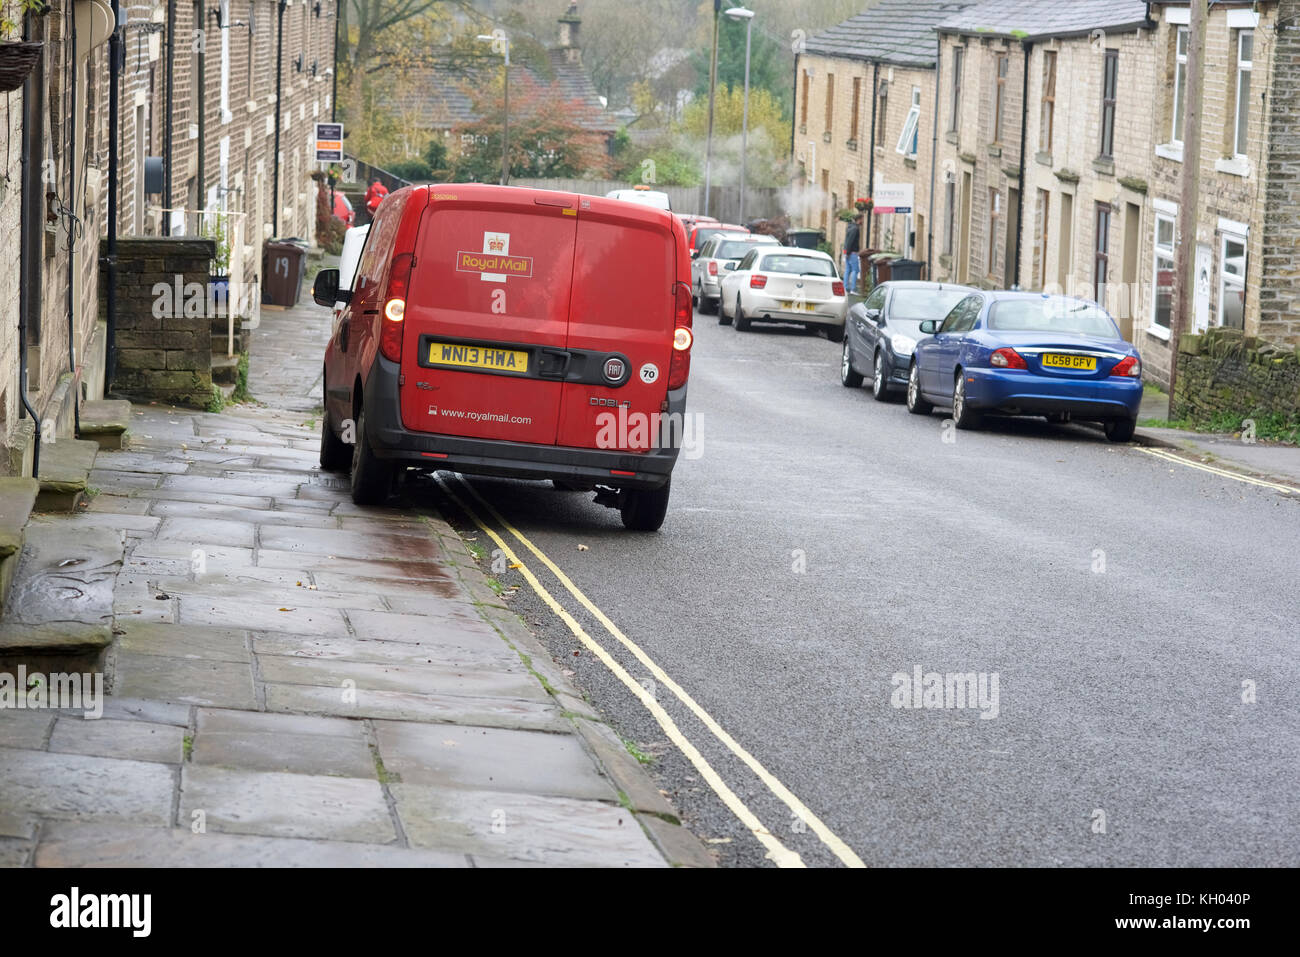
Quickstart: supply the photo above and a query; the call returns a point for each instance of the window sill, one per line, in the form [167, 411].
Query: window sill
[826, 137]
[803, 129]
[1170, 151]
[1234, 166]
[952, 137]
[909, 162]
[851, 145]
[1044, 158]
[1158, 332]
[1104, 166]
[995, 149]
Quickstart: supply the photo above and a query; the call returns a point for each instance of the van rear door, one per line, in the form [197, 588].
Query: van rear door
[486, 324]
[622, 308]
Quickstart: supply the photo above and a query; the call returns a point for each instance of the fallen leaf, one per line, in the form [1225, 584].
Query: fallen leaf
[287, 609]
[514, 565]
[583, 548]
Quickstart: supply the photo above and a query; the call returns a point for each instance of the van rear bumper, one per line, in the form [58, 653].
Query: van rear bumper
[389, 439]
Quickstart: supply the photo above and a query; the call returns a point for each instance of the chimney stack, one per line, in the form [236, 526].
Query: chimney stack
[569, 25]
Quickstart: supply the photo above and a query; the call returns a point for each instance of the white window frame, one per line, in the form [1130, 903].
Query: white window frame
[1237, 282]
[1166, 215]
[907, 140]
[1180, 69]
[1248, 67]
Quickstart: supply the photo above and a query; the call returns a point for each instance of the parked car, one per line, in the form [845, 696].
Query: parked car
[716, 257]
[881, 331]
[784, 284]
[501, 354]
[701, 233]
[690, 219]
[643, 195]
[353, 242]
[1016, 353]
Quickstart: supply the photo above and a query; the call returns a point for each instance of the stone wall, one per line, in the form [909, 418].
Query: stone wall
[1225, 372]
[1279, 271]
[164, 320]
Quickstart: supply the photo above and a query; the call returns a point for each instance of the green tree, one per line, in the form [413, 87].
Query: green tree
[769, 64]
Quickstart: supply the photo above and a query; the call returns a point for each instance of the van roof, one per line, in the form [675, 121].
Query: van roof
[506, 197]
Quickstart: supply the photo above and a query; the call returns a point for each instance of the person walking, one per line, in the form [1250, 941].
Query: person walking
[852, 264]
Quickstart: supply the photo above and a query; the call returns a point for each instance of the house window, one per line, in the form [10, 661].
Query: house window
[803, 103]
[1101, 253]
[1232, 282]
[954, 104]
[1109, 89]
[857, 103]
[1180, 84]
[1048, 113]
[907, 140]
[949, 226]
[1245, 54]
[1163, 304]
[1043, 210]
[1000, 98]
[830, 101]
[995, 217]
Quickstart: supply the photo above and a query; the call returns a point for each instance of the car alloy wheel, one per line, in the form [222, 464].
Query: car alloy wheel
[963, 416]
[878, 387]
[848, 378]
[915, 403]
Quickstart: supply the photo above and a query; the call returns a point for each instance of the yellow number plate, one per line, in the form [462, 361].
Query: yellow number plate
[477, 357]
[1085, 363]
[798, 306]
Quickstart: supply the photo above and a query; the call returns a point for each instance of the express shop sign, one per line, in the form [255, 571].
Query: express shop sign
[494, 263]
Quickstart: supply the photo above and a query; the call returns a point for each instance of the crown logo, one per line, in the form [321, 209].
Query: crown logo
[495, 245]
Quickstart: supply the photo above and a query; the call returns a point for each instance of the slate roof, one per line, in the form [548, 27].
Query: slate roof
[444, 101]
[1038, 19]
[898, 32]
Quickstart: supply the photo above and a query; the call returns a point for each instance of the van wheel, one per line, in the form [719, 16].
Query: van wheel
[742, 322]
[335, 456]
[643, 510]
[372, 478]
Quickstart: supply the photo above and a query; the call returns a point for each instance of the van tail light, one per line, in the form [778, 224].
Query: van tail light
[1008, 359]
[1128, 366]
[713, 267]
[757, 281]
[393, 324]
[679, 366]
[837, 288]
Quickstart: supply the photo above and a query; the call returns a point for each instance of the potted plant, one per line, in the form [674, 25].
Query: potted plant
[218, 230]
[18, 57]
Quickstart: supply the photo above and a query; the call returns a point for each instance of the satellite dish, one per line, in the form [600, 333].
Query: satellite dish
[94, 24]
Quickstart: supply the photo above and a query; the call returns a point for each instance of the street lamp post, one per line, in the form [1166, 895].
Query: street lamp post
[494, 39]
[713, 85]
[737, 14]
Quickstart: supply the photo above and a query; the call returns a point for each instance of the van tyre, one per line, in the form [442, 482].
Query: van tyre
[643, 509]
[916, 404]
[742, 321]
[372, 477]
[335, 455]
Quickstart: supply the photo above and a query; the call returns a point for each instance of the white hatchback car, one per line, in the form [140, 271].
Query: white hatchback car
[354, 240]
[785, 284]
[719, 254]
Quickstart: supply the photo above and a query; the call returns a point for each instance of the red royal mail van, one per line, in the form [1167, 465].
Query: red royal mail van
[515, 332]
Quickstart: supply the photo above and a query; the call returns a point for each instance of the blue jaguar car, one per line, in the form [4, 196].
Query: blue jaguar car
[1016, 353]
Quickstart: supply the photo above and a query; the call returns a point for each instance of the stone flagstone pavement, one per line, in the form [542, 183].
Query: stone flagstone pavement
[298, 681]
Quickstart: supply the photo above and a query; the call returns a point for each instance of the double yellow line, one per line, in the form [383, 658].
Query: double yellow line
[778, 852]
[1224, 473]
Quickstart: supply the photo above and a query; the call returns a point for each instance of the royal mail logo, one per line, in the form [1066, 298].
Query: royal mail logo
[494, 265]
[496, 246]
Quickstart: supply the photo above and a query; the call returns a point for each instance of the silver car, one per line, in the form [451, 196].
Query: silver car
[716, 258]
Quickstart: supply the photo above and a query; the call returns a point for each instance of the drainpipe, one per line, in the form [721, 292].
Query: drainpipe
[334, 94]
[31, 231]
[279, 116]
[871, 148]
[201, 23]
[934, 160]
[72, 226]
[1028, 47]
[110, 256]
[168, 110]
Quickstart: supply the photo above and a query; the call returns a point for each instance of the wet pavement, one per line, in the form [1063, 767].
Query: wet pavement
[294, 680]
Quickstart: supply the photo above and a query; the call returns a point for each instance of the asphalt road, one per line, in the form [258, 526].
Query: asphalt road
[823, 542]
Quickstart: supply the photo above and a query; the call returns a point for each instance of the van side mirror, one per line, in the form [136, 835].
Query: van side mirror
[931, 326]
[325, 290]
